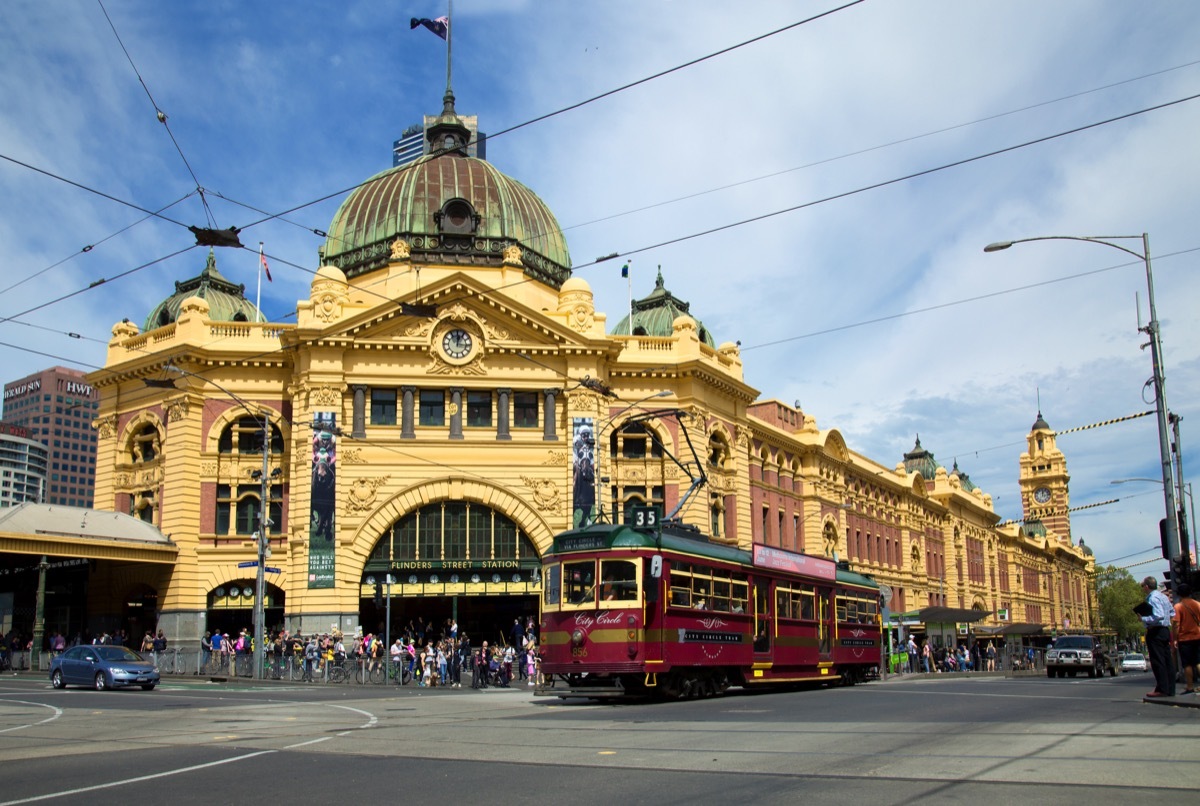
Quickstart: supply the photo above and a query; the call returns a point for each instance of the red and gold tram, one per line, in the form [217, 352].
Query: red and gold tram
[671, 614]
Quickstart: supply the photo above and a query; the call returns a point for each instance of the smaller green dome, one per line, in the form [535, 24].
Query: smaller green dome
[919, 460]
[655, 315]
[226, 301]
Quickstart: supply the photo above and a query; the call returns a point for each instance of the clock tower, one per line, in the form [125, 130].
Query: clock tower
[1044, 481]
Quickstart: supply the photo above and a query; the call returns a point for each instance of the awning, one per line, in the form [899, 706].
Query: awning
[1011, 629]
[950, 615]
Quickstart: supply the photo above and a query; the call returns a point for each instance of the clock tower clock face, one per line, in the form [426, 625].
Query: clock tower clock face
[1041, 495]
[457, 343]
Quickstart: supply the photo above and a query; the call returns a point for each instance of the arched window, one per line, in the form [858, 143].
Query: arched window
[245, 436]
[145, 443]
[464, 533]
[238, 507]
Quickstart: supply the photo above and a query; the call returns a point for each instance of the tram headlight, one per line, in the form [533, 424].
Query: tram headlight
[577, 637]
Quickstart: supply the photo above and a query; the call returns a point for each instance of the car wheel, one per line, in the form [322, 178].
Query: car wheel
[1072, 672]
[1092, 672]
[148, 687]
[1112, 671]
[1049, 673]
[101, 681]
[1063, 673]
[56, 679]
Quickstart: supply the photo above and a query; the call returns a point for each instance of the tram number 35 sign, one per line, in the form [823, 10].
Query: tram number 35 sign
[643, 518]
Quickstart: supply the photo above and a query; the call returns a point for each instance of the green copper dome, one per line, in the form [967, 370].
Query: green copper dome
[449, 208]
[919, 460]
[655, 314]
[226, 301]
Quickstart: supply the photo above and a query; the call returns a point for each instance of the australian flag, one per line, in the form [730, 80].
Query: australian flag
[440, 26]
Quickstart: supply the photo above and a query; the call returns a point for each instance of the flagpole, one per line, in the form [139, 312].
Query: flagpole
[449, 38]
[258, 294]
[629, 285]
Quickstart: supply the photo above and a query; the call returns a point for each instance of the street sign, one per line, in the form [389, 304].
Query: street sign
[271, 570]
[249, 564]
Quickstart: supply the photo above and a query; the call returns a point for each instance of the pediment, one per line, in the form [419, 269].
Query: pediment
[496, 320]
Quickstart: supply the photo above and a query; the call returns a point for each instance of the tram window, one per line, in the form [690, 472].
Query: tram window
[857, 609]
[618, 580]
[579, 580]
[794, 603]
[553, 582]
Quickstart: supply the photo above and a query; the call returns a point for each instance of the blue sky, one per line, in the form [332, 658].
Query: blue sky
[274, 109]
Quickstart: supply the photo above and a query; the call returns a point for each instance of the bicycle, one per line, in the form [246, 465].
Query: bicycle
[339, 671]
[399, 672]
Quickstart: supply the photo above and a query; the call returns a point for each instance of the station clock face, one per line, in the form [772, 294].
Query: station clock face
[457, 343]
[1041, 495]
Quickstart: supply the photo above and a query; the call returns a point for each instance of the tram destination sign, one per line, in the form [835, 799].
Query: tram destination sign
[581, 542]
[781, 560]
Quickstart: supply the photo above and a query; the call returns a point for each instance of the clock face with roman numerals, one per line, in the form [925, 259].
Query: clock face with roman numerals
[1041, 495]
[457, 343]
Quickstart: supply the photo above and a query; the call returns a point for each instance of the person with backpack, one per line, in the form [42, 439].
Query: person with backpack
[311, 654]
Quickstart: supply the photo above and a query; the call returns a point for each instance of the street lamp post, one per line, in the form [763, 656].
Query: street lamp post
[262, 536]
[1160, 391]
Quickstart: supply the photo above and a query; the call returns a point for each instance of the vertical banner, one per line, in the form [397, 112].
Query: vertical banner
[321, 544]
[583, 464]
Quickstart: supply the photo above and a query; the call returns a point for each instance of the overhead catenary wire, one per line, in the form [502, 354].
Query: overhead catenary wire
[161, 115]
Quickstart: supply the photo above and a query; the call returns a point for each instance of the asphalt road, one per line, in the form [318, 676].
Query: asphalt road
[943, 740]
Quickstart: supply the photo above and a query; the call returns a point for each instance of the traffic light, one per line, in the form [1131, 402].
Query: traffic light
[1179, 568]
[378, 595]
[1162, 539]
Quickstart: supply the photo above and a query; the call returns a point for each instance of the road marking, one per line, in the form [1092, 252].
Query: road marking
[57, 713]
[372, 720]
[137, 780]
[303, 744]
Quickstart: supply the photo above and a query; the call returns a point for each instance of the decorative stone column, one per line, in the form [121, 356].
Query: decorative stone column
[406, 413]
[502, 415]
[550, 415]
[456, 414]
[359, 420]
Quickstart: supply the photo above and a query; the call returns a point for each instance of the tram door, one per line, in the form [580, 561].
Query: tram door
[762, 616]
[824, 628]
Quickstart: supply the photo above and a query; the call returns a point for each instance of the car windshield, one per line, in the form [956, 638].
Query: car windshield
[1134, 656]
[118, 653]
[1073, 642]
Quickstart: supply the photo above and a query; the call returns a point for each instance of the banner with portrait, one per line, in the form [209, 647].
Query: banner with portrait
[322, 529]
[583, 470]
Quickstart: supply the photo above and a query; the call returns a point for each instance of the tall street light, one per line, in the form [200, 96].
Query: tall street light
[262, 536]
[1160, 391]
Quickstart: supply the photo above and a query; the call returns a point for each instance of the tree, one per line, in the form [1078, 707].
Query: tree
[1118, 592]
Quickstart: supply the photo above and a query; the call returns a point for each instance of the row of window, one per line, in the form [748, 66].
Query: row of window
[703, 588]
[431, 408]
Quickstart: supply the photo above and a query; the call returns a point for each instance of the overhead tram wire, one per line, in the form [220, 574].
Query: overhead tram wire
[875, 186]
[593, 99]
[896, 180]
[675, 69]
[99, 193]
[162, 116]
[89, 247]
[879, 147]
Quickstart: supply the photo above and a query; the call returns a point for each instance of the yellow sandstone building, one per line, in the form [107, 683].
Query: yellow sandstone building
[449, 399]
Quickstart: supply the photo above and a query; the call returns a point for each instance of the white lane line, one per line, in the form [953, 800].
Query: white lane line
[303, 744]
[57, 713]
[137, 780]
[372, 720]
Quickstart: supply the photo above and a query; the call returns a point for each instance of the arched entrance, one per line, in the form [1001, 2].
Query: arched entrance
[231, 607]
[141, 613]
[458, 560]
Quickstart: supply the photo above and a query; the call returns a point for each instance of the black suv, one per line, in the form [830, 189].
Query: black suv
[1074, 653]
